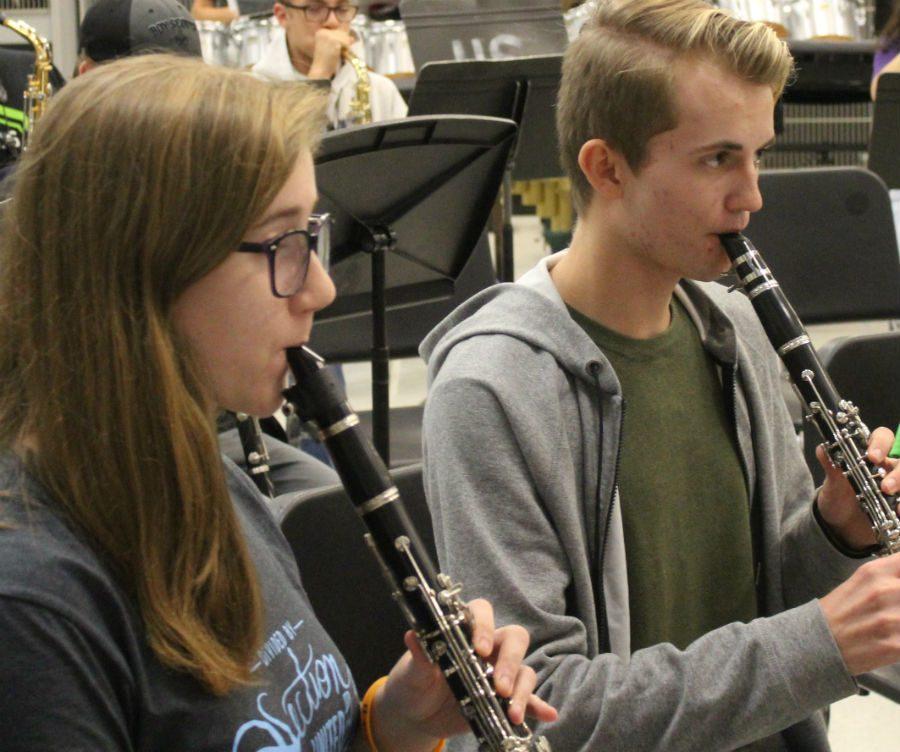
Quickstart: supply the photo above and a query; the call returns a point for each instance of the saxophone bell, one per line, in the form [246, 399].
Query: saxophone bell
[37, 92]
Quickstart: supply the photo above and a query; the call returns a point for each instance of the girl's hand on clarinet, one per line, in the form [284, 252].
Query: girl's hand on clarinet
[837, 499]
[415, 708]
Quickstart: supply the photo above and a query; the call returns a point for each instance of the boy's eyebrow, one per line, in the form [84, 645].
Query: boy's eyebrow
[729, 146]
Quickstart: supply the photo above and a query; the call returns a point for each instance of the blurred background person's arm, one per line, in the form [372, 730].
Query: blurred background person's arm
[206, 10]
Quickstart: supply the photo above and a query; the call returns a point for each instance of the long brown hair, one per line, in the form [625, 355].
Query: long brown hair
[142, 176]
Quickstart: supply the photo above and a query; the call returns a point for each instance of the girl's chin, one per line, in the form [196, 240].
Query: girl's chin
[260, 406]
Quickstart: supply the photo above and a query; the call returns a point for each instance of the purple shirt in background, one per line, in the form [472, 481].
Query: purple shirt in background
[884, 56]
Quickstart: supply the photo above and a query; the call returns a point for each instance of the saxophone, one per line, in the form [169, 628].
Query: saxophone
[429, 601]
[39, 86]
[361, 104]
[846, 436]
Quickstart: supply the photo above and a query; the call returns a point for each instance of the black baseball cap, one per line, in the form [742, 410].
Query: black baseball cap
[118, 28]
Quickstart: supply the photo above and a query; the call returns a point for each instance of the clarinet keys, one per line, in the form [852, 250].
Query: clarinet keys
[844, 433]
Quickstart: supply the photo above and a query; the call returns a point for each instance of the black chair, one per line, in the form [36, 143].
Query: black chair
[344, 582]
[863, 370]
[828, 235]
[884, 142]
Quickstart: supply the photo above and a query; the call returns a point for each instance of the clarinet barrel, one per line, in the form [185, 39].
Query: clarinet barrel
[429, 600]
[845, 435]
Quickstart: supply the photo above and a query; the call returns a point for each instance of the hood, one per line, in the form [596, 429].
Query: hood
[531, 310]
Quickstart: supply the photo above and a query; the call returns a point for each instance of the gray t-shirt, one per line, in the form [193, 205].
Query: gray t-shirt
[78, 673]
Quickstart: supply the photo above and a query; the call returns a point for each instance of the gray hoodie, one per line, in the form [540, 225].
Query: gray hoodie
[521, 439]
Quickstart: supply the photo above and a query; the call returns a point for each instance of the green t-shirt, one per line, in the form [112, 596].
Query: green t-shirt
[685, 507]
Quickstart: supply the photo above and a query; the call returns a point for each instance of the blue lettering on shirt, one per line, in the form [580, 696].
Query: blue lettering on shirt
[284, 725]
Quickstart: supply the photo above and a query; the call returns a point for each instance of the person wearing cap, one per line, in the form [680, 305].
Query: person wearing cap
[114, 29]
[312, 44]
[119, 28]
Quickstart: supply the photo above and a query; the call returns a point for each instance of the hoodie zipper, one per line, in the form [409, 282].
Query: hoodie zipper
[602, 624]
[730, 389]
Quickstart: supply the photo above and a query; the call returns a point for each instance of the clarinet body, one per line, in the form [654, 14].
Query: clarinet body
[429, 600]
[846, 436]
[255, 452]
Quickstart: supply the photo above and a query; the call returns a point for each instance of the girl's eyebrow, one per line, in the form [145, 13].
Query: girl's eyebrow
[285, 213]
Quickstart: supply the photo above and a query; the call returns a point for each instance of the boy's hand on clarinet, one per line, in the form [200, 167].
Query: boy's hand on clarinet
[415, 708]
[863, 615]
[837, 499]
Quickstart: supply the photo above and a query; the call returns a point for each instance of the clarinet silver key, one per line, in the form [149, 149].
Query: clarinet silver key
[430, 601]
[255, 453]
[845, 435]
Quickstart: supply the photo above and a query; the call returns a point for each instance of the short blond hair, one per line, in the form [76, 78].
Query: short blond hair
[618, 82]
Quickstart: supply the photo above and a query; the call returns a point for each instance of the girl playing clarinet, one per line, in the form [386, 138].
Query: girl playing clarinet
[158, 256]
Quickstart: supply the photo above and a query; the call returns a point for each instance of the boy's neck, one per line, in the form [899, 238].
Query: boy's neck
[615, 288]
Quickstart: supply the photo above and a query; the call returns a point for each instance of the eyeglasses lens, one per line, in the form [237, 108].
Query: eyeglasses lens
[291, 264]
[323, 242]
[319, 13]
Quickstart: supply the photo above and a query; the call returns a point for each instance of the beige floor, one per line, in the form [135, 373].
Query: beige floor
[858, 724]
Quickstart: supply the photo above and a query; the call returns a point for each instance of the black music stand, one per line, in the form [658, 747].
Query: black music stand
[409, 199]
[522, 89]
[884, 144]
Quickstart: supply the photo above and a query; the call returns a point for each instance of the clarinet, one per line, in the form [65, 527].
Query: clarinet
[430, 601]
[255, 452]
[846, 436]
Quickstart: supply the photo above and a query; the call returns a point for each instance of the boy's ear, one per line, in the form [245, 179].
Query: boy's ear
[603, 166]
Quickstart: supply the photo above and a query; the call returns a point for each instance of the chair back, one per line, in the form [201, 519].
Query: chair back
[344, 582]
[884, 142]
[862, 369]
[828, 235]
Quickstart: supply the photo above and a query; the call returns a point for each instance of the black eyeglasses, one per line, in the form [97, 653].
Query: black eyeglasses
[318, 12]
[289, 254]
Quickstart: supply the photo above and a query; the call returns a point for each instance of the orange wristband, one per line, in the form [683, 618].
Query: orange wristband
[365, 712]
